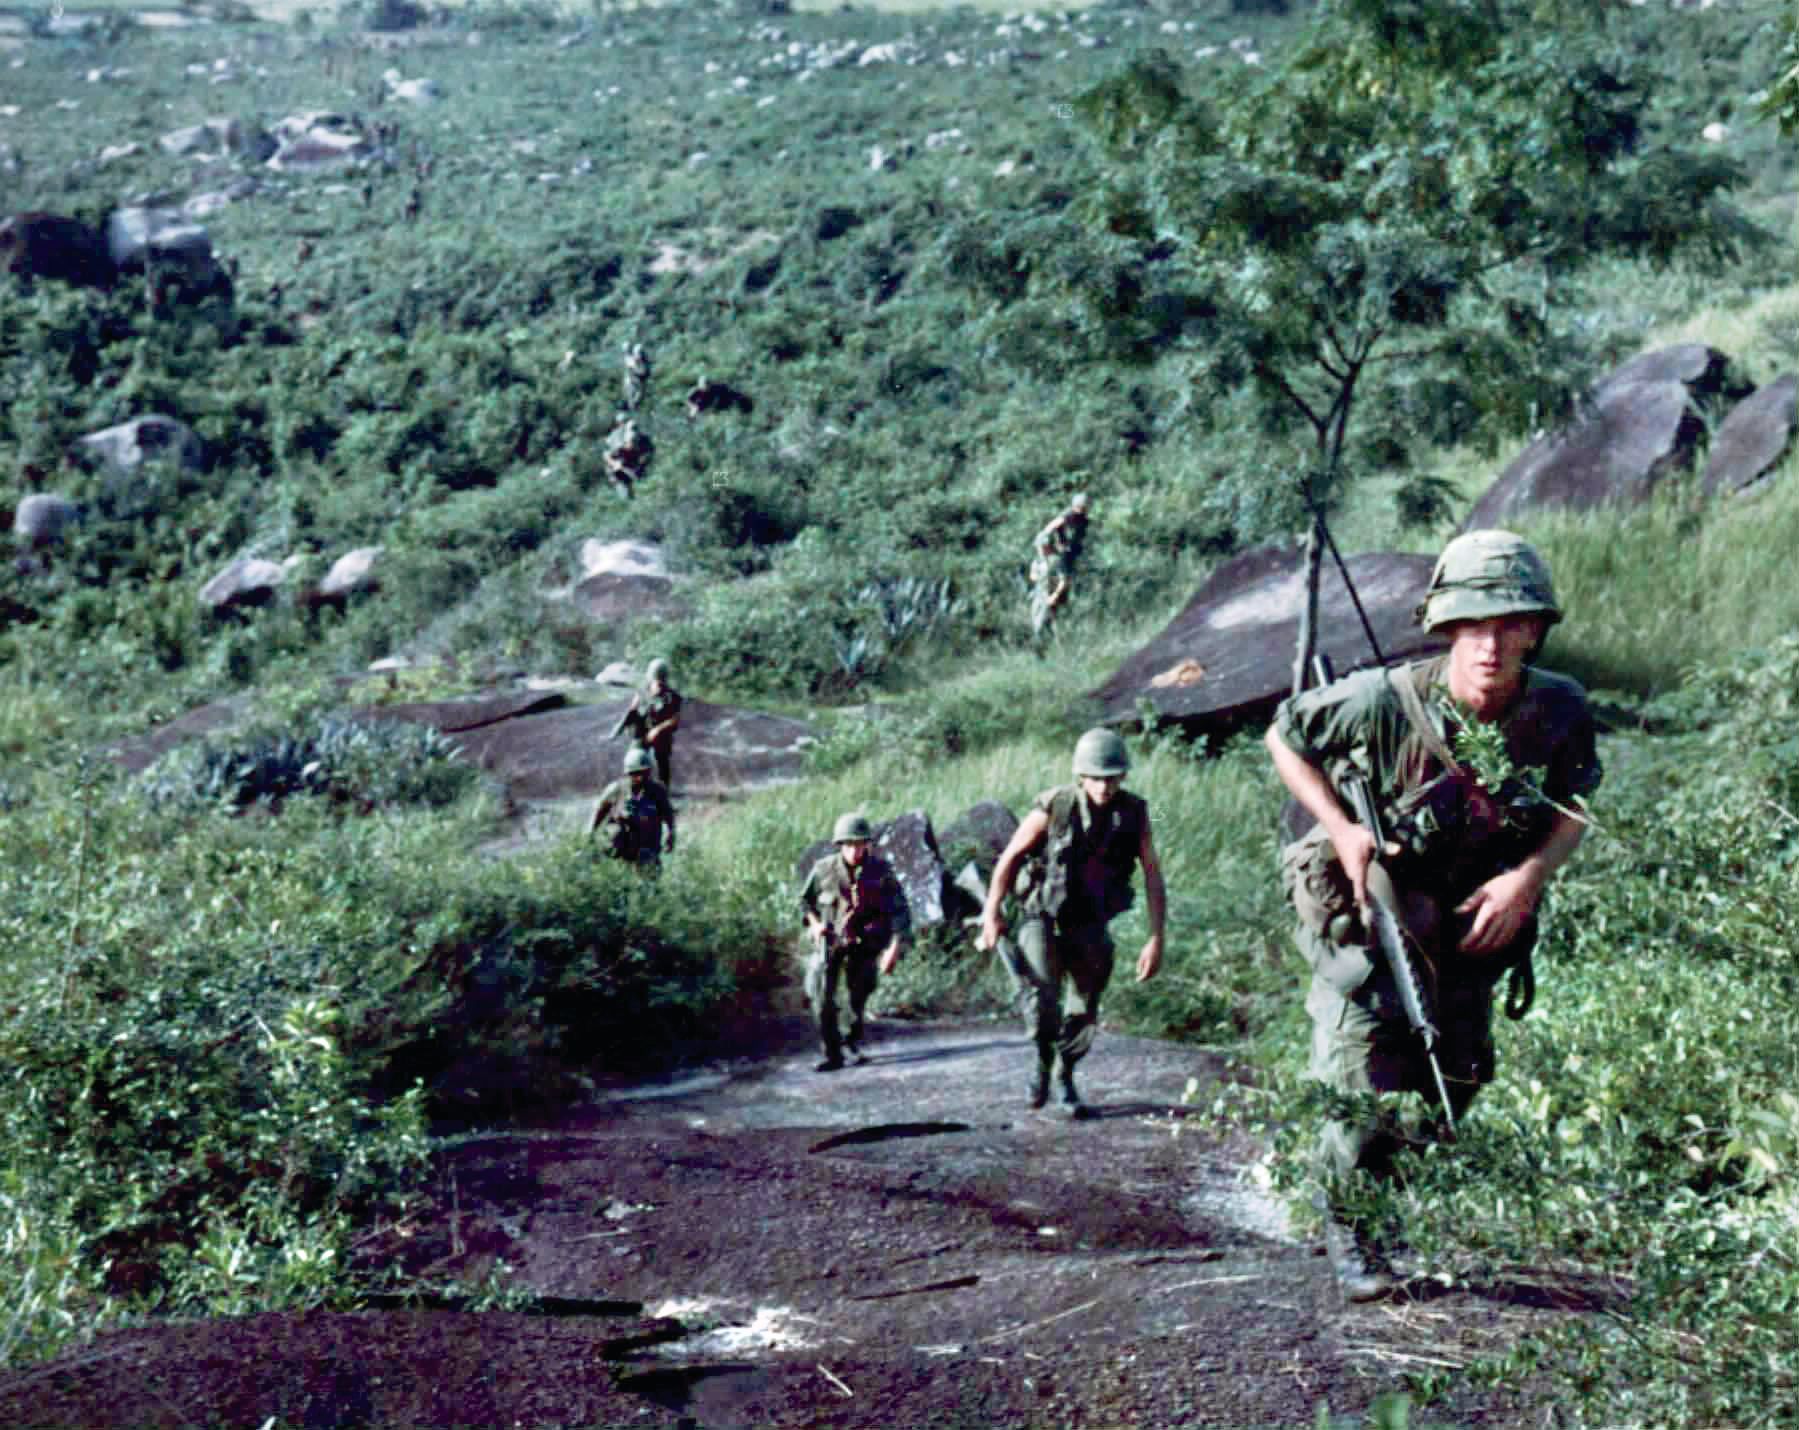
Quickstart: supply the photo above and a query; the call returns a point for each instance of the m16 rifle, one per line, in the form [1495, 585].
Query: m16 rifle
[1390, 936]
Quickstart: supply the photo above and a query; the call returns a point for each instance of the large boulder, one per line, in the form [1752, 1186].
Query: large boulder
[352, 572]
[41, 519]
[1751, 439]
[1642, 425]
[130, 445]
[624, 581]
[318, 140]
[247, 582]
[1228, 656]
[544, 749]
[909, 844]
[55, 247]
[179, 250]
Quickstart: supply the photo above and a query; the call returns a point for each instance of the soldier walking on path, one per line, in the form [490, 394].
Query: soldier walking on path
[856, 916]
[1070, 864]
[1055, 551]
[652, 718]
[1465, 863]
[634, 815]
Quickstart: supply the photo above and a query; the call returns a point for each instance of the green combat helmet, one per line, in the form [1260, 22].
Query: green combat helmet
[657, 669]
[636, 758]
[1100, 754]
[1482, 574]
[852, 828]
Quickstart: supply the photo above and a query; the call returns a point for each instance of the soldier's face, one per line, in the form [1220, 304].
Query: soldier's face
[1100, 788]
[1486, 659]
[639, 778]
[853, 850]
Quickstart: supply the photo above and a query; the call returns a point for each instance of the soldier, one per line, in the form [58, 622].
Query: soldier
[636, 816]
[1468, 864]
[637, 376]
[1076, 850]
[628, 453]
[1055, 551]
[652, 718]
[856, 916]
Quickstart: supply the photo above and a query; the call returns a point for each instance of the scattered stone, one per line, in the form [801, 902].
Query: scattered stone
[41, 519]
[247, 582]
[352, 572]
[129, 445]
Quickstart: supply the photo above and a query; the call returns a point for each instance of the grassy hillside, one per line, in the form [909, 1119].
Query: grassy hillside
[230, 1018]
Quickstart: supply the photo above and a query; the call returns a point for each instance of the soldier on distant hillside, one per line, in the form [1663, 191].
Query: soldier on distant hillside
[1055, 551]
[635, 816]
[628, 453]
[637, 376]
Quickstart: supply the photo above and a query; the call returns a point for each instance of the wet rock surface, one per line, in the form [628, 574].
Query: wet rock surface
[899, 1244]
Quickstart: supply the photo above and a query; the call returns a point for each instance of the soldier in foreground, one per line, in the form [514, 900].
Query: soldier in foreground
[652, 718]
[634, 815]
[858, 922]
[1055, 551]
[1070, 865]
[1464, 866]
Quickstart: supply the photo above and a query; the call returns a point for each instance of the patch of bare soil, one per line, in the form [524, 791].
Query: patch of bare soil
[902, 1244]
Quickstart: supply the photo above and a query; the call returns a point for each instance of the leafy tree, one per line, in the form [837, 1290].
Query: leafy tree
[1781, 102]
[1374, 237]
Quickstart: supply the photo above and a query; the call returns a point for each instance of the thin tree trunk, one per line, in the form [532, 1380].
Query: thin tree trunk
[1308, 613]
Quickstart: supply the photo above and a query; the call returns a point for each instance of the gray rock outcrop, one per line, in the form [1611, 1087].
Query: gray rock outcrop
[1751, 439]
[248, 581]
[1642, 426]
[1228, 656]
[909, 844]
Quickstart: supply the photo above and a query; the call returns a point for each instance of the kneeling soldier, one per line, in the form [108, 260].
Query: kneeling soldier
[635, 813]
[1077, 848]
[856, 916]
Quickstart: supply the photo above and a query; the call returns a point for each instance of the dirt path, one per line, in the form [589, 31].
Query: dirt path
[899, 1244]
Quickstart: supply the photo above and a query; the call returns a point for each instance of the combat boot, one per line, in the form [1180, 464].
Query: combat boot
[1040, 1086]
[1361, 1270]
[853, 1044]
[1071, 1098]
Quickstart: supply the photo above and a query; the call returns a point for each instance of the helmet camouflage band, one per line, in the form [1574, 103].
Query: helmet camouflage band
[1100, 754]
[1482, 574]
[636, 758]
[657, 669]
[852, 828]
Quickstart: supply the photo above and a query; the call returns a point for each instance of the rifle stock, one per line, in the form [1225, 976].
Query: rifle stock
[1391, 938]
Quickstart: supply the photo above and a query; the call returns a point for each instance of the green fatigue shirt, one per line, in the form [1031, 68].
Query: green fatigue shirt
[1081, 873]
[1064, 535]
[634, 820]
[864, 906]
[650, 711]
[1455, 834]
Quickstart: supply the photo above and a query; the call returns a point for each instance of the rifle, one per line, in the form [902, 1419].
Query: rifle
[624, 721]
[1390, 934]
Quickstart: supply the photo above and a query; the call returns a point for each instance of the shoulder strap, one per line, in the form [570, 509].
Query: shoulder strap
[1406, 688]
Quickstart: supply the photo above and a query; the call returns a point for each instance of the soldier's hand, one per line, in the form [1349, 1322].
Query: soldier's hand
[890, 959]
[1150, 960]
[993, 928]
[1356, 851]
[1501, 907]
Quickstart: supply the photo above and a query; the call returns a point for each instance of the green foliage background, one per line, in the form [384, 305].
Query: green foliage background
[238, 995]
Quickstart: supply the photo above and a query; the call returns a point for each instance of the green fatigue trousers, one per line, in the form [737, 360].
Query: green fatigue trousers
[855, 964]
[1044, 955]
[1363, 1043]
